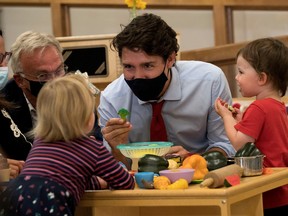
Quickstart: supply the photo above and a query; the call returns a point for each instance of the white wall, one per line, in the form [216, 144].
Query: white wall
[195, 26]
[191, 30]
[16, 20]
[249, 25]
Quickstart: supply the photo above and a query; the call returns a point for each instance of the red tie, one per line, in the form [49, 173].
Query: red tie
[157, 127]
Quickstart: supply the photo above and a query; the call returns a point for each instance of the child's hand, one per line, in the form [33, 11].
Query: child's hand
[223, 109]
[237, 114]
[103, 183]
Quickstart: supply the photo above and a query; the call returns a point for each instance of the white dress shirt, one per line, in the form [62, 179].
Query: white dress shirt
[188, 111]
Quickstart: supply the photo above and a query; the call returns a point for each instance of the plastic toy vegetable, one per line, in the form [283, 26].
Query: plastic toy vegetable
[249, 149]
[123, 113]
[179, 184]
[176, 158]
[172, 164]
[198, 163]
[152, 163]
[215, 160]
[161, 182]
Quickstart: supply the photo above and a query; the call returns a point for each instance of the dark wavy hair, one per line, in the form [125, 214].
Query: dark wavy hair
[149, 33]
[270, 56]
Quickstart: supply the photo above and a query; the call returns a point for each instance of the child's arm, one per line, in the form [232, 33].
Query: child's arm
[236, 138]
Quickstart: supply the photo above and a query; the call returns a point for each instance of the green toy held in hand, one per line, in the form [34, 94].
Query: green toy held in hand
[123, 113]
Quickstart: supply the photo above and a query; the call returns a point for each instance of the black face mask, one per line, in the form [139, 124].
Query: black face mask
[148, 89]
[35, 87]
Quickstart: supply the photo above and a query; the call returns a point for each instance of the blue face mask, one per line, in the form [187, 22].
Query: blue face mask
[3, 76]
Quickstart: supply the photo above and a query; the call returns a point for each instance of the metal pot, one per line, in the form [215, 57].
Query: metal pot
[252, 165]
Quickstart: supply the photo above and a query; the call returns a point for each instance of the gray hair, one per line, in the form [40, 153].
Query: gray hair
[27, 43]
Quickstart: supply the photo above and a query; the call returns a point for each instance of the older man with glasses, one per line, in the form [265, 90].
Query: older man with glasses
[14, 165]
[36, 58]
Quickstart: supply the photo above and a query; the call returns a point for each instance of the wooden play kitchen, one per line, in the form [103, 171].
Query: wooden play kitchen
[244, 199]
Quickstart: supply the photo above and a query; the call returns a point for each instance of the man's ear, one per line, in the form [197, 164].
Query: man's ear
[19, 80]
[263, 78]
[171, 60]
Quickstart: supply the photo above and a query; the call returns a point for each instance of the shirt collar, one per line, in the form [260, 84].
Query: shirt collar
[29, 104]
[32, 110]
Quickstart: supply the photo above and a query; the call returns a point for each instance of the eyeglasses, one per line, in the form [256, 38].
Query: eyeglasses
[44, 77]
[4, 56]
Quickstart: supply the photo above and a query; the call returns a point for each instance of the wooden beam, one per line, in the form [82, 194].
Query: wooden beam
[224, 56]
[24, 3]
[220, 25]
[61, 19]
[220, 55]
[222, 11]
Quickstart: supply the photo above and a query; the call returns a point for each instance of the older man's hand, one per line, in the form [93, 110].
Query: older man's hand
[15, 167]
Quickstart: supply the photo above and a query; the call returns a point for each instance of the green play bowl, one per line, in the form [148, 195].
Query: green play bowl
[139, 149]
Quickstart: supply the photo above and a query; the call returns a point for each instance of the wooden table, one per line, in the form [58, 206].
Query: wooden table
[244, 199]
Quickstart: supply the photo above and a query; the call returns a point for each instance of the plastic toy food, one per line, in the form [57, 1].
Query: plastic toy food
[249, 149]
[198, 163]
[215, 160]
[232, 180]
[216, 178]
[229, 107]
[179, 184]
[152, 163]
[176, 174]
[161, 182]
[123, 113]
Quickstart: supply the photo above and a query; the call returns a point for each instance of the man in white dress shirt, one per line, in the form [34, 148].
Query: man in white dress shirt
[147, 48]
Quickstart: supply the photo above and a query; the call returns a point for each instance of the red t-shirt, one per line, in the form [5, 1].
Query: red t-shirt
[266, 121]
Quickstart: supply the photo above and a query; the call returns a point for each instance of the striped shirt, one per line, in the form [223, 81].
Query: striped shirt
[76, 165]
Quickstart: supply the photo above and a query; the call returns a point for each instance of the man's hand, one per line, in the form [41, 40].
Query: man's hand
[15, 167]
[116, 132]
[178, 150]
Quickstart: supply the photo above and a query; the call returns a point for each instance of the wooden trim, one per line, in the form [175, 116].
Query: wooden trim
[223, 56]
[220, 55]
[222, 11]
[220, 25]
[230, 25]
